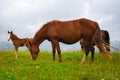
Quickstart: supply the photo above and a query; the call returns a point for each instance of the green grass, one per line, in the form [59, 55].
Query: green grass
[70, 69]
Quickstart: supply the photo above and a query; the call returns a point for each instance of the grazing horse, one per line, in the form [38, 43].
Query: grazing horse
[106, 39]
[18, 42]
[67, 32]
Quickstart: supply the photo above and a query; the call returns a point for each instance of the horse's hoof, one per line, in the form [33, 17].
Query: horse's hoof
[92, 62]
[60, 61]
[82, 62]
[53, 59]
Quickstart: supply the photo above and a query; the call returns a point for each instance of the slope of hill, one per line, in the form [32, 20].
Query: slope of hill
[5, 45]
[115, 46]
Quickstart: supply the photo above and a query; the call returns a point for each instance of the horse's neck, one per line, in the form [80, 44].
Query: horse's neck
[14, 37]
[37, 42]
[40, 36]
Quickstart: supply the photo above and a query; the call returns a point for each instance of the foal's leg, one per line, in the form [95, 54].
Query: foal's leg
[16, 52]
[28, 47]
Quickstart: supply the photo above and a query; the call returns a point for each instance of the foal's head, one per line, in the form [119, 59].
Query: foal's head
[12, 36]
[9, 35]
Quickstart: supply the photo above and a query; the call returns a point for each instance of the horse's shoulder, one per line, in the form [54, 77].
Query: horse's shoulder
[87, 20]
[55, 21]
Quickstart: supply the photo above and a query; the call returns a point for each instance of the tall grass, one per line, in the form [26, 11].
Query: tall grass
[70, 69]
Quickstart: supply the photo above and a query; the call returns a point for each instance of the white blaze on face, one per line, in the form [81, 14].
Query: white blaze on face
[8, 37]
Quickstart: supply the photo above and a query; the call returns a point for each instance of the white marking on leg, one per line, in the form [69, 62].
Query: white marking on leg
[31, 57]
[83, 59]
[16, 53]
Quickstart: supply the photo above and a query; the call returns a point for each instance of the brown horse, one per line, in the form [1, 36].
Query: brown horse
[68, 32]
[18, 42]
[106, 39]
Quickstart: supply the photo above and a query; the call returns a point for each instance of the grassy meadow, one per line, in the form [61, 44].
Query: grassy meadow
[70, 69]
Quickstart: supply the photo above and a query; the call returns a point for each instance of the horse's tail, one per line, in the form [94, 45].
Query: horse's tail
[107, 39]
[97, 34]
[100, 42]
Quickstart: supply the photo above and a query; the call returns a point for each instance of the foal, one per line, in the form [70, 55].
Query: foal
[18, 42]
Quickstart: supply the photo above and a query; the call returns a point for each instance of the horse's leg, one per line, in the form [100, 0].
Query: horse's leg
[92, 54]
[59, 52]
[85, 56]
[28, 47]
[56, 43]
[53, 50]
[86, 48]
[16, 52]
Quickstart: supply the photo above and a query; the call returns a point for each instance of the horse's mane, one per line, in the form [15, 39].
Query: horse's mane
[15, 37]
[41, 33]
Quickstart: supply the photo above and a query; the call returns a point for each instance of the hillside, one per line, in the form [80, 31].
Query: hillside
[5, 45]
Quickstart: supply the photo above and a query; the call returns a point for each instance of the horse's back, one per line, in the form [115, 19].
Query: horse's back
[70, 31]
[73, 24]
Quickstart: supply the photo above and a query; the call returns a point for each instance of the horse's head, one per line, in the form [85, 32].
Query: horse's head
[34, 50]
[9, 35]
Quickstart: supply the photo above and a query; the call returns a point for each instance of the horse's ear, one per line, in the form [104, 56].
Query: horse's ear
[8, 32]
[11, 32]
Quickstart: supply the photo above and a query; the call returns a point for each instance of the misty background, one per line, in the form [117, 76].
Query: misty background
[26, 17]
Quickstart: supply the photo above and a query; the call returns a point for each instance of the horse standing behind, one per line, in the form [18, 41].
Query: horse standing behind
[106, 39]
[18, 42]
[67, 32]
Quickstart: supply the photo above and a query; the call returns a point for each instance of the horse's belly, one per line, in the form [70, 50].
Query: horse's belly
[69, 40]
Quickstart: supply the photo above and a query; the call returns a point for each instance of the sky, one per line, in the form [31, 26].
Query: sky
[26, 17]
